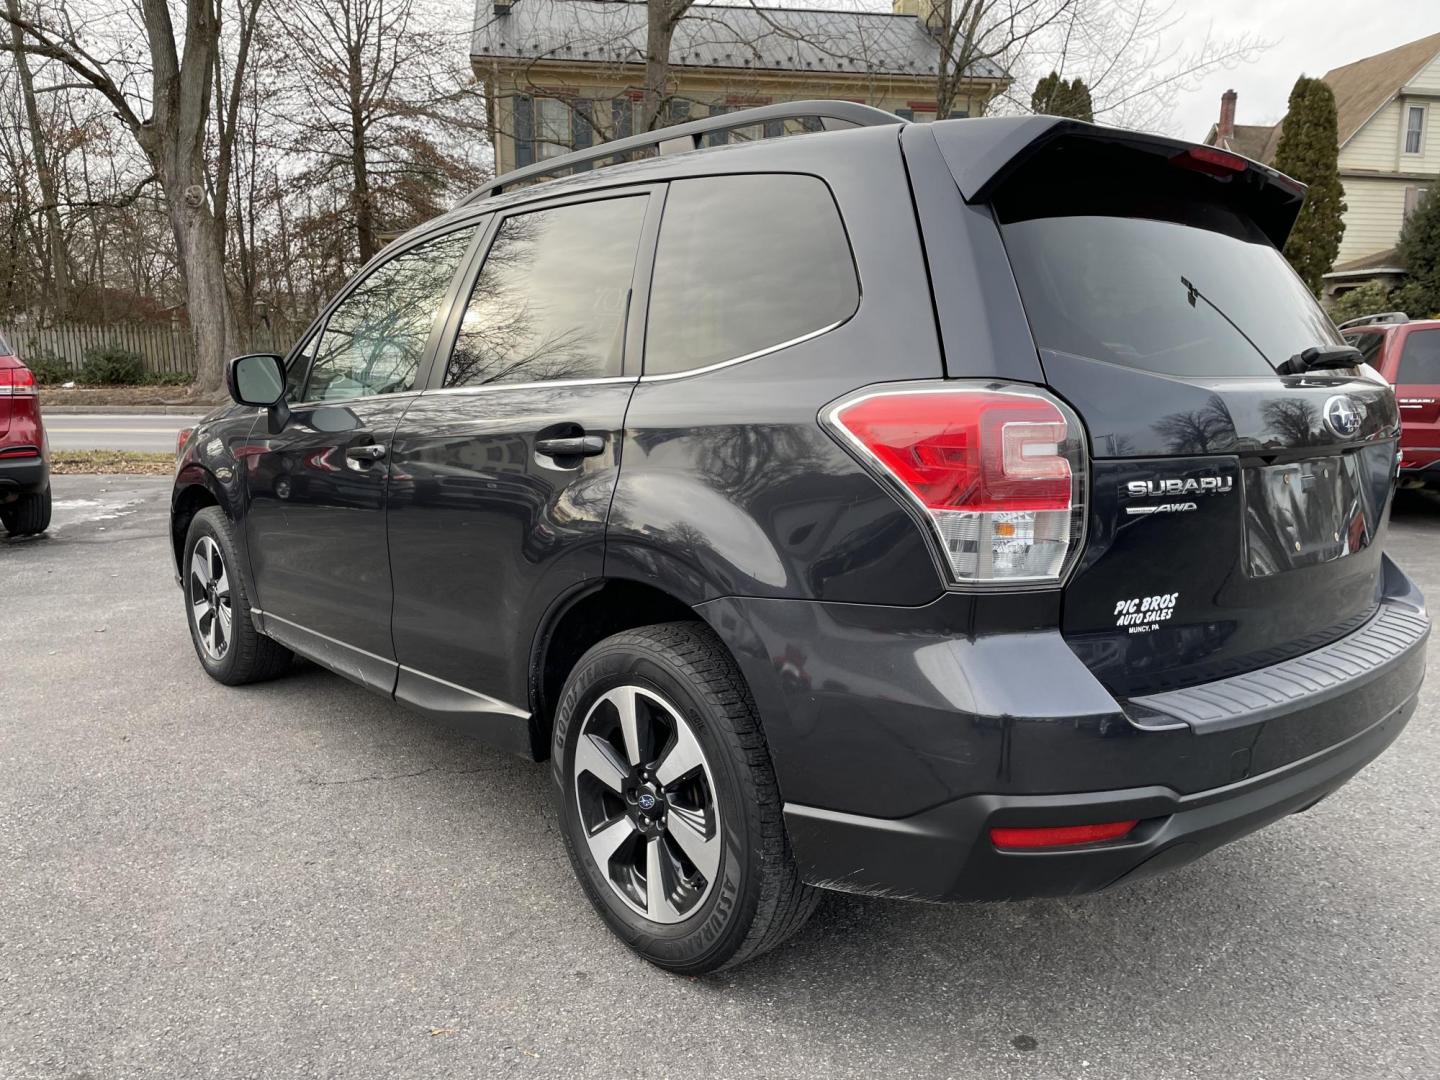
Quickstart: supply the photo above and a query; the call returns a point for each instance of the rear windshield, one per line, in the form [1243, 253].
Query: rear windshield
[1163, 295]
[1420, 359]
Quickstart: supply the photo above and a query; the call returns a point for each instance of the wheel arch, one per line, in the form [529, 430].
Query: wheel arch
[582, 619]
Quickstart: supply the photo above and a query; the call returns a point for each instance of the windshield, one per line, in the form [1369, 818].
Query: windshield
[1163, 296]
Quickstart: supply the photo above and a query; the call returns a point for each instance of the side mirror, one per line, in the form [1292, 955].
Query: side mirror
[258, 380]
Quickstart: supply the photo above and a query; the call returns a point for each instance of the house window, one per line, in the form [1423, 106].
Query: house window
[1414, 129]
[552, 127]
[1413, 197]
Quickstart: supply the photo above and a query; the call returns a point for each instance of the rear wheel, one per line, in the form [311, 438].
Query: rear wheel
[28, 515]
[668, 801]
[231, 650]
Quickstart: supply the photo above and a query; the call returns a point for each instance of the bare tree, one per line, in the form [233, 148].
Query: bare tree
[172, 135]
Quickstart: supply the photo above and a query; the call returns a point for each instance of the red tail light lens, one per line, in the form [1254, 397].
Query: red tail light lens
[998, 472]
[181, 437]
[17, 382]
[1063, 836]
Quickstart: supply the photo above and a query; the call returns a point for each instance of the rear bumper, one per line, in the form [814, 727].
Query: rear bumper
[23, 476]
[899, 741]
[946, 854]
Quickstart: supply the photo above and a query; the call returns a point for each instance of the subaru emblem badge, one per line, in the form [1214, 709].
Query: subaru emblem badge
[1342, 416]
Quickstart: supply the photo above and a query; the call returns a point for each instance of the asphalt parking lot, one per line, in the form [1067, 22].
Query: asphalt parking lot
[300, 880]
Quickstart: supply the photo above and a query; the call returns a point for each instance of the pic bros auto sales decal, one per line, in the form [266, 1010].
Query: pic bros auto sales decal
[1141, 614]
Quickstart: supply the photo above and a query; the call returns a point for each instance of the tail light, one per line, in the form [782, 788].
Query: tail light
[17, 382]
[998, 472]
[181, 437]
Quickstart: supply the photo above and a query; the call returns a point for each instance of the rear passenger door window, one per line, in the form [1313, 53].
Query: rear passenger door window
[1420, 358]
[746, 264]
[550, 301]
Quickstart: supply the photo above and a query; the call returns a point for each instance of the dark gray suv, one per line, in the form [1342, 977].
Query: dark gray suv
[967, 510]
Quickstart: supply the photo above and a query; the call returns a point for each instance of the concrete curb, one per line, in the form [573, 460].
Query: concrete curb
[125, 410]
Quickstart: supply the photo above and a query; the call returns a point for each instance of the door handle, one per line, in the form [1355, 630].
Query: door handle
[365, 453]
[574, 446]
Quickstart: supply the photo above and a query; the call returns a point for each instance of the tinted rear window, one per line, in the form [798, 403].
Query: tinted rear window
[745, 263]
[1369, 343]
[1164, 296]
[1420, 358]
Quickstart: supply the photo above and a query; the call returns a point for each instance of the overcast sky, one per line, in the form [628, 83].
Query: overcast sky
[1310, 37]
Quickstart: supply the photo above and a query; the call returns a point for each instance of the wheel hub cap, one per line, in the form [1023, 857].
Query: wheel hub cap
[646, 799]
[208, 589]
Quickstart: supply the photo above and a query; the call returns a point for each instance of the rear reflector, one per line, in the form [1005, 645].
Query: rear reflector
[998, 472]
[1064, 836]
[17, 382]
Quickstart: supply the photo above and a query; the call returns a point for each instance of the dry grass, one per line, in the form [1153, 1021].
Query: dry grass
[126, 395]
[110, 462]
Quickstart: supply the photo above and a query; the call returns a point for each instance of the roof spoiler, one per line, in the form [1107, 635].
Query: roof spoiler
[983, 154]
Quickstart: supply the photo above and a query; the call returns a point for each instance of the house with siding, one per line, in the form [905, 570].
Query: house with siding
[567, 74]
[1388, 109]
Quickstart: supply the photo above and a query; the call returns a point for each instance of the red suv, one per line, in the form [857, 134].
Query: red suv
[24, 469]
[1407, 353]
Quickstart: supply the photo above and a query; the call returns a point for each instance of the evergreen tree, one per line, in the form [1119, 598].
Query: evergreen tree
[1420, 255]
[1309, 151]
[1055, 96]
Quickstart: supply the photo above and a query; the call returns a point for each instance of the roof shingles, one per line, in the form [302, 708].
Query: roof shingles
[714, 36]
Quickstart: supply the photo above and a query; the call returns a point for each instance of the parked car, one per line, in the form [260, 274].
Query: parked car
[859, 509]
[1407, 353]
[24, 450]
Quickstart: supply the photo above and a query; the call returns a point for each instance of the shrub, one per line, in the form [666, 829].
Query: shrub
[112, 365]
[49, 369]
[1369, 299]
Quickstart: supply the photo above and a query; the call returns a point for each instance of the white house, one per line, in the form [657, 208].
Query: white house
[1388, 108]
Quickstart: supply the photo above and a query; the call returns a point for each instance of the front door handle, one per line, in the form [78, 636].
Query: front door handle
[365, 453]
[573, 446]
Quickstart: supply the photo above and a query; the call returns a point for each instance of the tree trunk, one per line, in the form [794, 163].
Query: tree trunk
[661, 19]
[360, 194]
[55, 239]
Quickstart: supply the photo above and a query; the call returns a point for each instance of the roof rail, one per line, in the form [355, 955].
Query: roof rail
[1375, 320]
[832, 116]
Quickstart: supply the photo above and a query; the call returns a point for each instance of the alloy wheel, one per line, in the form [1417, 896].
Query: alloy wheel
[209, 593]
[647, 804]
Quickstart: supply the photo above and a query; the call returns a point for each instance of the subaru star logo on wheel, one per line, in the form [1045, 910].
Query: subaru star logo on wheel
[647, 801]
[1341, 416]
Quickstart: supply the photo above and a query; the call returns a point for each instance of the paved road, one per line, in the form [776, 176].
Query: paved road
[131, 432]
[299, 880]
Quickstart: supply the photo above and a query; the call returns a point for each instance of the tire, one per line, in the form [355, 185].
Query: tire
[217, 608]
[28, 515]
[728, 897]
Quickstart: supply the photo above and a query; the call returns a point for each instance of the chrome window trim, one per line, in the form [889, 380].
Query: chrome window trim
[748, 356]
[491, 387]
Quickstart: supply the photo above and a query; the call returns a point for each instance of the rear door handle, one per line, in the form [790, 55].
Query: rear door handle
[373, 452]
[573, 446]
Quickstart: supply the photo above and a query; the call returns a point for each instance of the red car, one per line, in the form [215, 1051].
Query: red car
[1407, 352]
[24, 451]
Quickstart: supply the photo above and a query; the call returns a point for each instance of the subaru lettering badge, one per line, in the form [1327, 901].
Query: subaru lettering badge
[1341, 416]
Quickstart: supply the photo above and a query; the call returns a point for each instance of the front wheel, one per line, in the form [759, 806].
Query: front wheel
[668, 801]
[231, 650]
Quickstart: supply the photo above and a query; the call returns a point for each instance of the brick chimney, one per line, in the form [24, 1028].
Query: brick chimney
[1225, 130]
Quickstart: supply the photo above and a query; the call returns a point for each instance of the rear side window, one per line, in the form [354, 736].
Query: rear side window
[550, 301]
[745, 264]
[1167, 296]
[1369, 343]
[1420, 358]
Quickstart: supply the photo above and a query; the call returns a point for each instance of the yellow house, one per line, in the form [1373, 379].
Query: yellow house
[567, 74]
[1388, 108]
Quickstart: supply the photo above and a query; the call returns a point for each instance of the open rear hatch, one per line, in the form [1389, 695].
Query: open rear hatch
[1242, 460]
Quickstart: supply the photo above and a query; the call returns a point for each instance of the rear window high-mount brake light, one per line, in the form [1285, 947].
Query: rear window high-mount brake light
[997, 470]
[1061, 836]
[1208, 159]
[17, 382]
